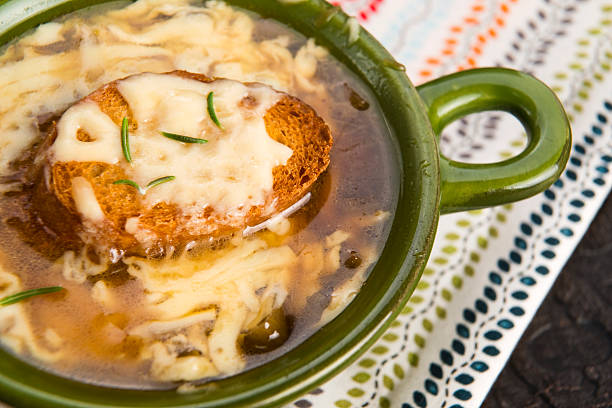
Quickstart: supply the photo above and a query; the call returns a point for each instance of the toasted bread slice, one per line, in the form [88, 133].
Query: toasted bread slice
[164, 225]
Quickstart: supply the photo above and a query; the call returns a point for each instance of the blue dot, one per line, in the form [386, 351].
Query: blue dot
[602, 169]
[503, 265]
[575, 161]
[493, 335]
[490, 293]
[435, 370]
[463, 331]
[559, 183]
[527, 280]
[602, 118]
[527, 230]
[599, 182]
[406, 405]
[577, 203]
[520, 243]
[481, 306]
[547, 209]
[571, 175]
[431, 387]
[517, 311]
[608, 105]
[419, 399]
[597, 130]
[567, 232]
[548, 254]
[469, 315]
[495, 278]
[505, 324]
[458, 347]
[479, 366]
[536, 219]
[464, 379]
[515, 257]
[552, 241]
[579, 148]
[446, 357]
[549, 194]
[606, 158]
[574, 217]
[455, 406]
[589, 140]
[491, 351]
[462, 394]
[520, 295]
[542, 270]
[588, 193]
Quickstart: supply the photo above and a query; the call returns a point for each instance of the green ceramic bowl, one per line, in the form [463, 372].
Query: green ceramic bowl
[429, 184]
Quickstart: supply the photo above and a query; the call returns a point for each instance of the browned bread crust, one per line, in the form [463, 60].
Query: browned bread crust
[290, 122]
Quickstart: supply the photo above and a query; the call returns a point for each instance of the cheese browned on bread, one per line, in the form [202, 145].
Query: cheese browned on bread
[267, 153]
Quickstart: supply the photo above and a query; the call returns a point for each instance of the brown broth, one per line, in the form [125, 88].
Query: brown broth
[360, 181]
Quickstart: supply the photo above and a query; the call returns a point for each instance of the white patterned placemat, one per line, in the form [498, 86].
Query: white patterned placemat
[489, 270]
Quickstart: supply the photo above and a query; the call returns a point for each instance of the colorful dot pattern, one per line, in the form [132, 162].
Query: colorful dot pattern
[489, 269]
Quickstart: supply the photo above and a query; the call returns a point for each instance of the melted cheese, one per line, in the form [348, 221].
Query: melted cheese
[85, 200]
[230, 173]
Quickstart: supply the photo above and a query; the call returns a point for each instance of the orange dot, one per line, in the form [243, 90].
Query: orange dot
[492, 32]
[500, 22]
[471, 61]
[451, 41]
[482, 38]
[477, 8]
[470, 20]
[447, 52]
[433, 61]
[425, 73]
[504, 8]
[477, 50]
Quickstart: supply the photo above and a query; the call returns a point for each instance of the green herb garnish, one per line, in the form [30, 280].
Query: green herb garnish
[211, 110]
[151, 184]
[125, 143]
[131, 183]
[184, 139]
[159, 181]
[18, 297]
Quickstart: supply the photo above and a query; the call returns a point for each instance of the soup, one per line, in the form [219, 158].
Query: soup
[213, 308]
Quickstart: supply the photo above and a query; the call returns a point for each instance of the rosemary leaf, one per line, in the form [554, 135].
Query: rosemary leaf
[183, 139]
[18, 297]
[125, 142]
[131, 183]
[211, 110]
[151, 184]
[159, 181]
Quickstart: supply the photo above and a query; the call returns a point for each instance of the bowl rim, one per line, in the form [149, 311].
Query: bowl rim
[389, 284]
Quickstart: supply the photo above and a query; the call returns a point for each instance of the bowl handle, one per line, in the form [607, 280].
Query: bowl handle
[466, 186]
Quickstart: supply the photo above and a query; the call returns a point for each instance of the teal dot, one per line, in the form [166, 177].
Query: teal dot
[481, 306]
[517, 311]
[493, 335]
[479, 366]
[469, 315]
[435, 370]
[458, 347]
[464, 379]
[520, 295]
[491, 351]
[505, 324]
[462, 394]
[431, 387]
[446, 357]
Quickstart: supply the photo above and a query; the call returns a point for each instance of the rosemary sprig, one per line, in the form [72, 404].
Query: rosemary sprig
[18, 297]
[159, 181]
[151, 184]
[211, 110]
[125, 142]
[131, 183]
[183, 139]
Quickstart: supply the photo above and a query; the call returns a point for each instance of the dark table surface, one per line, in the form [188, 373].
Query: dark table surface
[564, 359]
